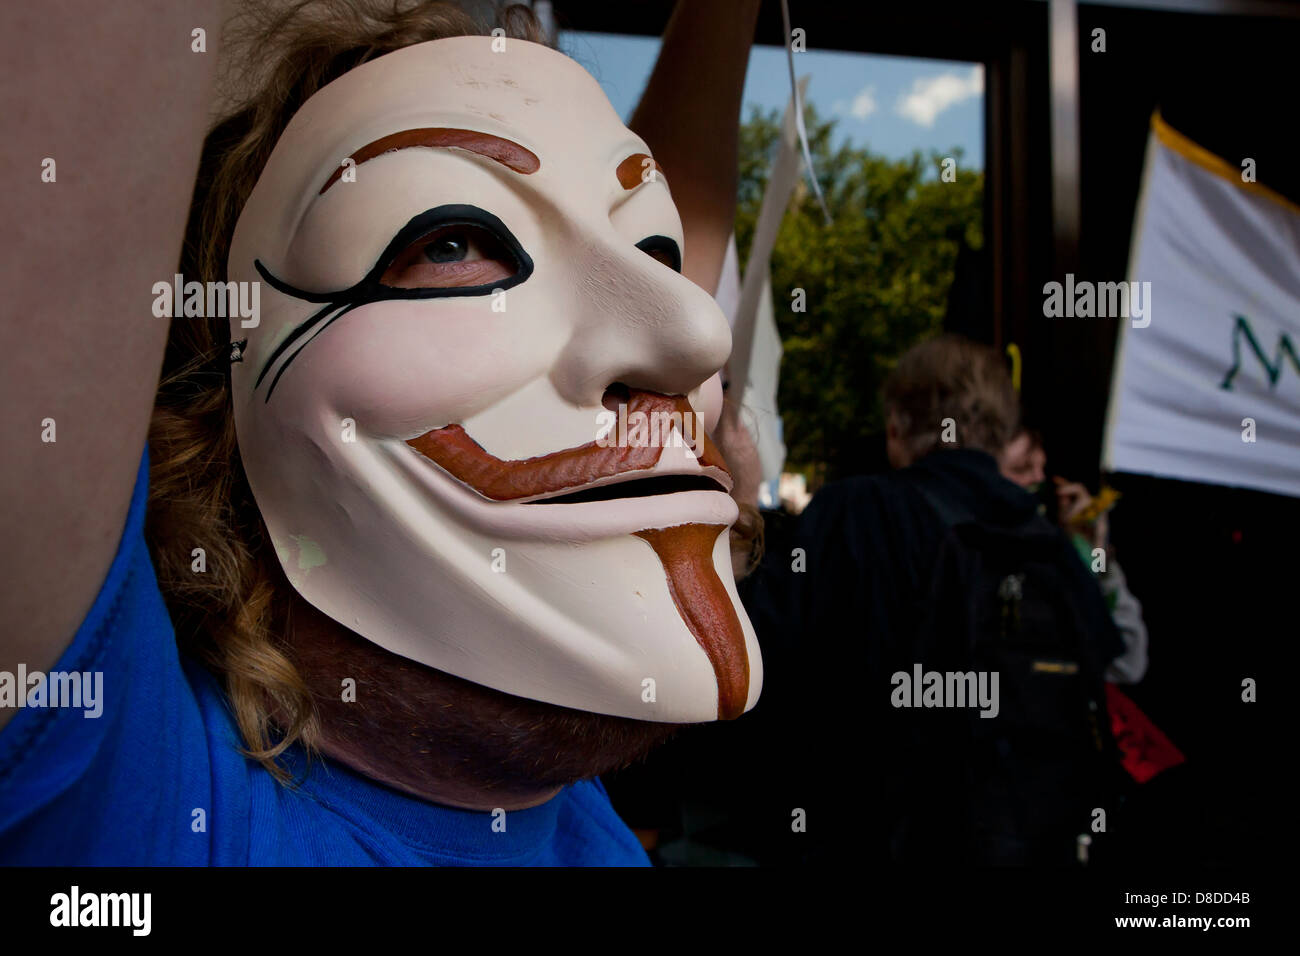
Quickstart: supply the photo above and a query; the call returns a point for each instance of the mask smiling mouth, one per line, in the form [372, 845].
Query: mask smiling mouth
[636, 488]
[587, 472]
[592, 473]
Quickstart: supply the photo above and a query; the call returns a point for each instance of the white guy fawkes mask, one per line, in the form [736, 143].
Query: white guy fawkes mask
[445, 319]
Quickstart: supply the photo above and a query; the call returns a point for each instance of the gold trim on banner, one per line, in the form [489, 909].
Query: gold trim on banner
[1180, 144]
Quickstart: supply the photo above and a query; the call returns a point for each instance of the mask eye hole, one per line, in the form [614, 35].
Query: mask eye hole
[664, 250]
[450, 257]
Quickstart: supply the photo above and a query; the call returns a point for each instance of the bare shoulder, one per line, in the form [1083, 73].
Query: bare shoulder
[104, 107]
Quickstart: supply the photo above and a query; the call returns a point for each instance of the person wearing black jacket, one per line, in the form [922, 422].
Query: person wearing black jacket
[945, 565]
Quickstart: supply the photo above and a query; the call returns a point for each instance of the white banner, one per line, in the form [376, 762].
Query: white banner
[755, 345]
[1207, 384]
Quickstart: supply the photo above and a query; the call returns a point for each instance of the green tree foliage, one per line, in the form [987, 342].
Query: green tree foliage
[876, 280]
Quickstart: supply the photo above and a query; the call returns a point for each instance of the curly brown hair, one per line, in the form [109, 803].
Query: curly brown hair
[951, 377]
[233, 615]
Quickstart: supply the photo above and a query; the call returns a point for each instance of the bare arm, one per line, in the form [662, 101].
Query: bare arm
[689, 115]
[113, 94]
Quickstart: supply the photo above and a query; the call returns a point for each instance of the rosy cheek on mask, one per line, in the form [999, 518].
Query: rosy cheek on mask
[399, 368]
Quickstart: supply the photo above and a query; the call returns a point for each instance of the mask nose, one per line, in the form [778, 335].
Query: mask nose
[640, 326]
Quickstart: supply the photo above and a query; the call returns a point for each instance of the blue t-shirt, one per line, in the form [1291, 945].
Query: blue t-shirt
[157, 777]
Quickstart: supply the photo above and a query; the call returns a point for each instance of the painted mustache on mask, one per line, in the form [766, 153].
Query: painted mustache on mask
[685, 551]
[453, 449]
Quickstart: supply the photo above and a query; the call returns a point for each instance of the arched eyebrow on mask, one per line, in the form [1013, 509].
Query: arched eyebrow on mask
[631, 171]
[504, 151]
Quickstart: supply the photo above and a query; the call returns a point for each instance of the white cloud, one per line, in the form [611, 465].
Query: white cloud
[931, 95]
[860, 107]
[864, 104]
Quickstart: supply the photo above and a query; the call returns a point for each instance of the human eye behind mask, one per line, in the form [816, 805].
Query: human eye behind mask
[453, 249]
[451, 257]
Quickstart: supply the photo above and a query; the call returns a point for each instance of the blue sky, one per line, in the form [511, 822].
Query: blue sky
[888, 104]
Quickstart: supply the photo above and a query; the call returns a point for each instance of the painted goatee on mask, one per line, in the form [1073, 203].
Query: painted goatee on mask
[473, 412]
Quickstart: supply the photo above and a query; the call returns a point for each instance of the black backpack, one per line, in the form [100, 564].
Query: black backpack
[1021, 787]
